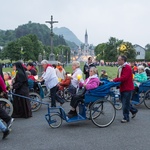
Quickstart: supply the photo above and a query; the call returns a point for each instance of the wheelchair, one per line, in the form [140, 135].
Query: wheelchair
[101, 110]
[143, 95]
[35, 93]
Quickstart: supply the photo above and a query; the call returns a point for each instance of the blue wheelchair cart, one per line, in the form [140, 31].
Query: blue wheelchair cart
[143, 95]
[95, 107]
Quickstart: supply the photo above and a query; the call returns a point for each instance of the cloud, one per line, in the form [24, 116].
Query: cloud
[127, 20]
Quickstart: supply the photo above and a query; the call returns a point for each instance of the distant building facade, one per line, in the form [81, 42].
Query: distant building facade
[140, 52]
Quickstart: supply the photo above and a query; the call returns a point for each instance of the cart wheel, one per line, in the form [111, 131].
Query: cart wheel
[118, 104]
[6, 105]
[45, 91]
[55, 121]
[102, 113]
[67, 95]
[147, 99]
[35, 101]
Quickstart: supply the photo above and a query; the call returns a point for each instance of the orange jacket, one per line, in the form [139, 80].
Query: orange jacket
[64, 83]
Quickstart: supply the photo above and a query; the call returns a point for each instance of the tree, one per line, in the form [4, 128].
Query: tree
[127, 49]
[147, 54]
[26, 48]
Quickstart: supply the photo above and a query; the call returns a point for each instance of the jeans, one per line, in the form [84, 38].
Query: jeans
[125, 98]
[2, 126]
[53, 96]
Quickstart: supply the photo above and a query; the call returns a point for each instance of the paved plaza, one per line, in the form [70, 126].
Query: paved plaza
[35, 134]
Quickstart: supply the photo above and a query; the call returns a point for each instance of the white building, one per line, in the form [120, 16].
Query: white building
[140, 51]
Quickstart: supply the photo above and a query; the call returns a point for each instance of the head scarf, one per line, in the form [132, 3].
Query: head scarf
[21, 71]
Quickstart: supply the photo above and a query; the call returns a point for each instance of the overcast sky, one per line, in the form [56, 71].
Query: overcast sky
[123, 19]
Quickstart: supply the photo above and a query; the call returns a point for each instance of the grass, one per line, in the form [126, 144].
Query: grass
[111, 71]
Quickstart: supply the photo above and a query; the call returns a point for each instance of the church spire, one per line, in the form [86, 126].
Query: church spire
[86, 37]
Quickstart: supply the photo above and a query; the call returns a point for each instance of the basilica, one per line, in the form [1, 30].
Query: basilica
[85, 50]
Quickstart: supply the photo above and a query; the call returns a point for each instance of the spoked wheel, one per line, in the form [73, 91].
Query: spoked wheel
[102, 113]
[45, 91]
[67, 95]
[6, 105]
[55, 121]
[147, 99]
[35, 101]
[117, 104]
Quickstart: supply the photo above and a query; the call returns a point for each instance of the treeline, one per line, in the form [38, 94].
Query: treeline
[40, 30]
[29, 40]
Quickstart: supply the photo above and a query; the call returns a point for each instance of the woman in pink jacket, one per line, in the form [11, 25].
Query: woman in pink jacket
[90, 83]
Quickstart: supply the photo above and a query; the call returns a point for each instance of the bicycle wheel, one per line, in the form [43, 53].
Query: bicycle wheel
[55, 121]
[6, 105]
[67, 95]
[147, 99]
[102, 113]
[46, 91]
[35, 101]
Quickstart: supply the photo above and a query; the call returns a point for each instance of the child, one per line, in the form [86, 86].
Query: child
[4, 129]
[103, 75]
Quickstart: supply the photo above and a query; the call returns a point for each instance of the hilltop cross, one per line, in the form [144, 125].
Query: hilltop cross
[51, 22]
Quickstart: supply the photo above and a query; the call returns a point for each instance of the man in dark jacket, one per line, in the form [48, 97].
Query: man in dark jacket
[126, 88]
[87, 67]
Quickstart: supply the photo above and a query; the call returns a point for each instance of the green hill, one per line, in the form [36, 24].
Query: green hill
[68, 35]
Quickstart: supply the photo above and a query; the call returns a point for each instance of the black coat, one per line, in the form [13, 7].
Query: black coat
[86, 69]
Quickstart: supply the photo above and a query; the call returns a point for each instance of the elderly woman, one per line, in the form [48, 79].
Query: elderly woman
[74, 78]
[90, 83]
[51, 80]
[139, 77]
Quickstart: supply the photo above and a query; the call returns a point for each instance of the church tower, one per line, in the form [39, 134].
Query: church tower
[86, 45]
[86, 38]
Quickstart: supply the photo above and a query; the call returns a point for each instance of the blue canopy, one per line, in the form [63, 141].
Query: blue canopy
[100, 92]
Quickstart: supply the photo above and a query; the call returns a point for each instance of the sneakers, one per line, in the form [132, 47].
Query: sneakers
[9, 124]
[133, 115]
[72, 113]
[5, 133]
[124, 121]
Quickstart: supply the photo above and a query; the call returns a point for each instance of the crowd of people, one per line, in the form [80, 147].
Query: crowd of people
[56, 78]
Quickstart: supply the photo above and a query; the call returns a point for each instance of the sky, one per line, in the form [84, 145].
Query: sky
[127, 20]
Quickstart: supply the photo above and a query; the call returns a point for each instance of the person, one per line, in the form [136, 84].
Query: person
[8, 81]
[146, 69]
[126, 87]
[51, 80]
[74, 78]
[87, 67]
[3, 115]
[4, 129]
[22, 106]
[31, 68]
[90, 83]
[64, 83]
[103, 75]
[60, 72]
[139, 77]
[134, 67]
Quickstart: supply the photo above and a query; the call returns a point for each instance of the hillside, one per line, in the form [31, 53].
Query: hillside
[67, 34]
[41, 31]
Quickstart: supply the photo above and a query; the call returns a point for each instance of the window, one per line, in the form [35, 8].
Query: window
[138, 53]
